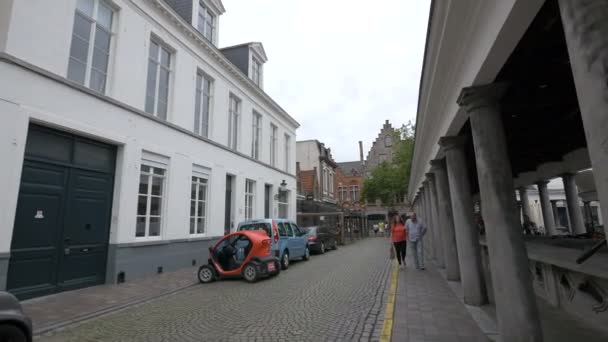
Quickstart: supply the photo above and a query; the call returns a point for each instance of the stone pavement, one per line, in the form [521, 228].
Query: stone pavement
[427, 310]
[55, 311]
[338, 296]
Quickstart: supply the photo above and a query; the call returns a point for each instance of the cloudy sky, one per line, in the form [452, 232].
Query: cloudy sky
[339, 67]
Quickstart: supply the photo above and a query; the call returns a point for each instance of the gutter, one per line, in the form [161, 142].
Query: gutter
[426, 48]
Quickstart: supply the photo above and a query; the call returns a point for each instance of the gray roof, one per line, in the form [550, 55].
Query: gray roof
[348, 167]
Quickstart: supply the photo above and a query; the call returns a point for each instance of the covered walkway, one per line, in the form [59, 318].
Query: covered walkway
[513, 94]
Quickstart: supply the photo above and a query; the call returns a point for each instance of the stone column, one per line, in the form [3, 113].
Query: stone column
[446, 221]
[427, 221]
[435, 219]
[518, 317]
[427, 218]
[546, 207]
[572, 202]
[419, 203]
[555, 214]
[587, 41]
[467, 235]
[588, 216]
[525, 202]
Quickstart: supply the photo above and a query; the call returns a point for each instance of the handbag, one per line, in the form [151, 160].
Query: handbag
[392, 252]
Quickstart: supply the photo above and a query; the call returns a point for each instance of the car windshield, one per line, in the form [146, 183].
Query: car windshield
[257, 226]
[310, 230]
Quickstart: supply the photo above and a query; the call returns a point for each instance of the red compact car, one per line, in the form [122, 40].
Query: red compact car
[244, 254]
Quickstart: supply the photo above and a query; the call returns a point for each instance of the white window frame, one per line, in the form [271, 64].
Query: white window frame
[203, 127]
[274, 131]
[256, 71]
[158, 65]
[153, 163]
[342, 193]
[285, 204]
[287, 151]
[207, 16]
[331, 183]
[91, 48]
[197, 180]
[256, 135]
[234, 114]
[325, 181]
[249, 199]
[354, 193]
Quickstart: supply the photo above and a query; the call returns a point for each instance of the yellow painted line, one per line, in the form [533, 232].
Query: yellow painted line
[387, 328]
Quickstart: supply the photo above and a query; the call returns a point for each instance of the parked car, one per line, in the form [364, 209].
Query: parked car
[289, 241]
[244, 254]
[15, 326]
[320, 239]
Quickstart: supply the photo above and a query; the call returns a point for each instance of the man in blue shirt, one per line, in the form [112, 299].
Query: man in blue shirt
[415, 232]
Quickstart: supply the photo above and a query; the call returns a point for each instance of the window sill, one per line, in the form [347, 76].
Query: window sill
[195, 237]
[155, 242]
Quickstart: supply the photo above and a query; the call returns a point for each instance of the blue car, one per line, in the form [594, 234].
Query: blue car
[289, 241]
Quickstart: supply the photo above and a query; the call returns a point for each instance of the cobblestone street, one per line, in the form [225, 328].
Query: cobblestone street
[337, 296]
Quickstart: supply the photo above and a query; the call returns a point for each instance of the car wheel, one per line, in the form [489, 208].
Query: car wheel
[11, 333]
[206, 274]
[322, 250]
[306, 254]
[250, 273]
[277, 267]
[285, 261]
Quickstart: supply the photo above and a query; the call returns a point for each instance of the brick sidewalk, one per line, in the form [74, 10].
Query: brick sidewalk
[61, 309]
[426, 309]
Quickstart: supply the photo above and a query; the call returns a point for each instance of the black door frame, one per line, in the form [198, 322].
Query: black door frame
[69, 167]
[268, 200]
[229, 203]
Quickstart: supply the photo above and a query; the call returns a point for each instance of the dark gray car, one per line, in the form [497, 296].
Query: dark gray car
[320, 239]
[15, 326]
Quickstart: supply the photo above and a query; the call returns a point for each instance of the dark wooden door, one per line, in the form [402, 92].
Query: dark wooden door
[267, 199]
[228, 206]
[60, 236]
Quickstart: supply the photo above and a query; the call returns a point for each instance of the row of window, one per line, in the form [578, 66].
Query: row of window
[250, 192]
[152, 193]
[88, 65]
[343, 193]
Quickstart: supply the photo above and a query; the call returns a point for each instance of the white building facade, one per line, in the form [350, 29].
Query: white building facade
[130, 141]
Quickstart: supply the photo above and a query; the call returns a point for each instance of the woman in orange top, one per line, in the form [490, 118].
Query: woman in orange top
[399, 239]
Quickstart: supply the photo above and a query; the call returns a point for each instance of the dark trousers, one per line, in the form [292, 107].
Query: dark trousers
[400, 248]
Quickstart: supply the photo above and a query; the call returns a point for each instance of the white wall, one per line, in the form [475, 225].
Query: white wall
[44, 101]
[40, 34]
[6, 9]
[308, 155]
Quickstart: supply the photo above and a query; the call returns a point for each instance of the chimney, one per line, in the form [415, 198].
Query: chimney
[361, 150]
